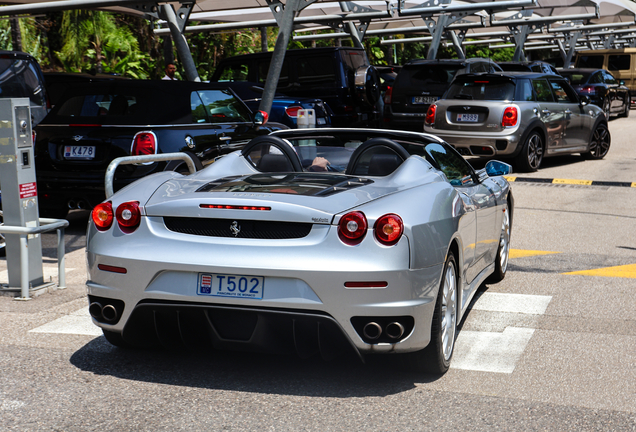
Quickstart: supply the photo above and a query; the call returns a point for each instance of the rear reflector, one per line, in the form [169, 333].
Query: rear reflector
[372, 284]
[112, 269]
[233, 207]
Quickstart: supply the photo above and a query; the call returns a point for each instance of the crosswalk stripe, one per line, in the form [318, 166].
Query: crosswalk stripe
[624, 271]
[78, 322]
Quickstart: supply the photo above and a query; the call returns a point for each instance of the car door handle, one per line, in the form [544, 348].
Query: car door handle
[567, 111]
[545, 112]
[225, 138]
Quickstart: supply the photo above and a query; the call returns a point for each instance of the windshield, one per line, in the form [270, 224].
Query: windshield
[576, 78]
[482, 89]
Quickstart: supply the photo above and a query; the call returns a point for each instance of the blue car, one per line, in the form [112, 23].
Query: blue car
[284, 108]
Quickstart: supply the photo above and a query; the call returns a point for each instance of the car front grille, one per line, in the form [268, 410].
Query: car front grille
[237, 228]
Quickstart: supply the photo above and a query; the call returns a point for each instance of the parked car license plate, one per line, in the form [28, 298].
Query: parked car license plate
[418, 100]
[79, 152]
[225, 285]
[468, 118]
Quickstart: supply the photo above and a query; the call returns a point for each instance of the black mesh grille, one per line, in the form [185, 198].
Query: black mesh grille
[246, 228]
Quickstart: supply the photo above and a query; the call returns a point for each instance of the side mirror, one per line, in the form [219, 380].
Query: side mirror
[584, 100]
[260, 118]
[495, 168]
[621, 82]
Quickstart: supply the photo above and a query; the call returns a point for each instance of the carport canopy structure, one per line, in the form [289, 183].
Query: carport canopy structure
[453, 20]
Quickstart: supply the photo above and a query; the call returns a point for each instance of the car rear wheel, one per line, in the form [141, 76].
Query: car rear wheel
[503, 251]
[436, 357]
[531, 155]
[599, 144]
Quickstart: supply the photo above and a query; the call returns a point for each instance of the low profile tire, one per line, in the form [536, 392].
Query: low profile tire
[628, 107]
[436, 357]
[599, 143]
[503, 251]
[531, 155]
[606, 108]
[115, 339]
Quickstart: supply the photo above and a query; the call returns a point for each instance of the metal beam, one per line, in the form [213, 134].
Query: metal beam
[467, 7]
[544, 20]
[62, 5]
[591, 27]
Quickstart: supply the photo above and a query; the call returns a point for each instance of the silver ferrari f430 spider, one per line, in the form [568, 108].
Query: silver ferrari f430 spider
[308, 241]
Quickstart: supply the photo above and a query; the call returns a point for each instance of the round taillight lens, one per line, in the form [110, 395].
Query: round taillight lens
[352, 228]
[102, 216]
[128, 216]
[388, 229]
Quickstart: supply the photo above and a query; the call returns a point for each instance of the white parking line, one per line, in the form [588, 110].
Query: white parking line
[474, 350]
[78, 322]
[515, 303]
[498, 352]
[490, 352]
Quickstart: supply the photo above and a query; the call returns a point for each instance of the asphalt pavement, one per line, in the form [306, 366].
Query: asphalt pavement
[551, 348]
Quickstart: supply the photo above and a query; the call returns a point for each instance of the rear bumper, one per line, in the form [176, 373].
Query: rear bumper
[158, 299]
[481, 143]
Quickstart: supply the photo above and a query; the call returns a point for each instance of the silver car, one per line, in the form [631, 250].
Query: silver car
[525, 116]
[308, 241]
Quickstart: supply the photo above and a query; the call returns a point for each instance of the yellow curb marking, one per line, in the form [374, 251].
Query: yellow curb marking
[624, 271]
[634, 184]
[511, 179]
[521, 253]
[573, 182]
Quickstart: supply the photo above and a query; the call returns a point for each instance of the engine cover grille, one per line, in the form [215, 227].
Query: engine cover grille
[237, 228]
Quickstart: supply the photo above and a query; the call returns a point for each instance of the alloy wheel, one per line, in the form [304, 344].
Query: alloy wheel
[504, 242]
[600, 142]
[535, 151]
[449, 310]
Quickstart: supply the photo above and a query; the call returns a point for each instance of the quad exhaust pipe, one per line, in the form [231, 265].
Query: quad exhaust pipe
[77, 205]
[106, 313]
[393, 330]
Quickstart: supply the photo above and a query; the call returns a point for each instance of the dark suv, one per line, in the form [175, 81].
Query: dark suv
[96, 122]
[420, 83]
[342, 77]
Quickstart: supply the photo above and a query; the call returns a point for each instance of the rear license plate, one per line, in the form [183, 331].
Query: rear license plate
[420, 100]
[474, 118]
[79, 152]
[225, 285]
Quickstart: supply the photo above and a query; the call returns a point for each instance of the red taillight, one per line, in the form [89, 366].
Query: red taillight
[352, 228]
[388, 96]
[293, 111]
[588, 89]
[33, 136]
[510, 117]
[233, 207]
[388, 229]
[128, 216]
[144, 143]
[102, 216]
[430, 115]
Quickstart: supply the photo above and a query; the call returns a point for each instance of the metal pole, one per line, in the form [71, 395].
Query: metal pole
[24, 269]
[180, 42]
[278, 56]
[264, 47]
[61, 272]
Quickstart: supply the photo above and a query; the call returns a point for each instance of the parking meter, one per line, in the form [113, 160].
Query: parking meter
[19, 190]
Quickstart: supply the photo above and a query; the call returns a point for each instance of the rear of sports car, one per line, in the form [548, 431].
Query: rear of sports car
[305, 263]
